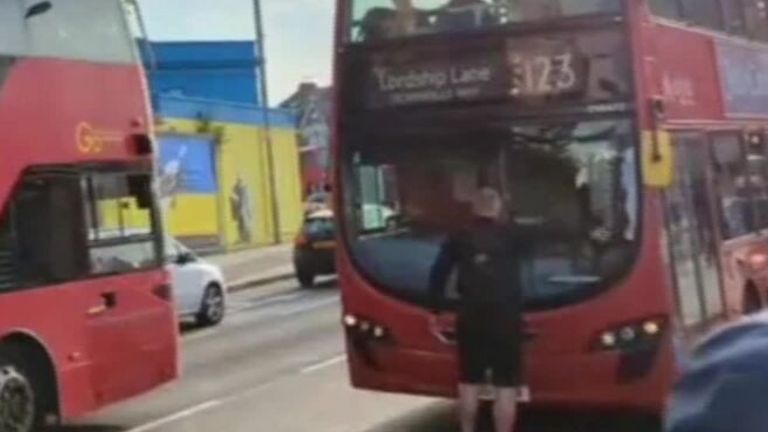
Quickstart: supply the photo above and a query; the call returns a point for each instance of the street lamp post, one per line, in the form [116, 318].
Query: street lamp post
[274, 201]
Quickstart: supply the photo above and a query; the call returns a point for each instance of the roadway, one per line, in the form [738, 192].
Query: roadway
[276, 364]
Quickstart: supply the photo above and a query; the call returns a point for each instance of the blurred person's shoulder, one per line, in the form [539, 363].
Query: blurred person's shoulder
[724, 387]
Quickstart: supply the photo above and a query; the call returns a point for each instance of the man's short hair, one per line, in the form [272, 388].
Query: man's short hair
[487, 203]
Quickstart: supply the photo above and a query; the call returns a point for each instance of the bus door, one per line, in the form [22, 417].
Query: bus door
[130, 326]
[739, 168]
[692, 233]
[81, 251]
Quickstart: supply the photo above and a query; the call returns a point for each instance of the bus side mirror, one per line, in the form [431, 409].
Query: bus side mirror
[658, 159]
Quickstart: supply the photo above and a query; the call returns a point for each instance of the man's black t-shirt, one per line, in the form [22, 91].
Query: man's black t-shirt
[488, 258]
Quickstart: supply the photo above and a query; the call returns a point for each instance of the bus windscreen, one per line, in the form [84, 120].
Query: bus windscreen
[573, 186]
[389, 19]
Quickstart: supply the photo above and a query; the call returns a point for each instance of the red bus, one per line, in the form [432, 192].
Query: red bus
[86, 317]
[628, 136]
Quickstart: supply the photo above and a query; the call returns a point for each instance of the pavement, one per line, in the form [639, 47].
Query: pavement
[277, 364]
[255, 267]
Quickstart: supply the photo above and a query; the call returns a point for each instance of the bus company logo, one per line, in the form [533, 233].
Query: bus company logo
[679, 90]
[94, 141]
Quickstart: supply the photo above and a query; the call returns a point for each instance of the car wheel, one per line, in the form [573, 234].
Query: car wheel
[19, 401]
[306, 278]
[213, 306]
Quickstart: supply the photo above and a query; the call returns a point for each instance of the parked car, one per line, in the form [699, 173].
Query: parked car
[198, 286]
[315, 247]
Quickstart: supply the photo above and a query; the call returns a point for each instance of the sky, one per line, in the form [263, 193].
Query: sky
[298, 33]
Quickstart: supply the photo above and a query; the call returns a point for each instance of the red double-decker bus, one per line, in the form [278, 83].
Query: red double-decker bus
[628, 136]
[86, 317]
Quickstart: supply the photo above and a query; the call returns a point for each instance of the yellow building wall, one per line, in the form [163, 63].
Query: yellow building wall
[241, 215]
[193, 216]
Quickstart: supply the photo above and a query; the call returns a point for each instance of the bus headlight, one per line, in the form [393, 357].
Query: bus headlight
[608, 339]
[628, 334]
[350, 320]
[379, 332]
[631, 336]
[651, 328]
[365, 328]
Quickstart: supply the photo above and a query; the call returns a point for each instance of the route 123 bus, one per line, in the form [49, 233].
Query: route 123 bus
[628, 136]
[86, 316]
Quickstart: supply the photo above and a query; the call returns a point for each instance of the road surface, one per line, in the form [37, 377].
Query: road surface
[276, 364]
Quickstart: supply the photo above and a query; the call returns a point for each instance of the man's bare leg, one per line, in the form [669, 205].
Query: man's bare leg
[505, 409]
[469, 405]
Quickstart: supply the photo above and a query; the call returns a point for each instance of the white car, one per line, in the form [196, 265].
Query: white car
[198, 286]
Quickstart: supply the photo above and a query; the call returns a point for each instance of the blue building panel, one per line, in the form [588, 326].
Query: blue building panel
[227, 71]
[217, 111]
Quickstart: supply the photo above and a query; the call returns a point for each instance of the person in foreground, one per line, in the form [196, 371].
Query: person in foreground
[486, 258]
[724, 387]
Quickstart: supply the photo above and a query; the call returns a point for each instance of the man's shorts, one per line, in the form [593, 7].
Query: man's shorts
[497, 351]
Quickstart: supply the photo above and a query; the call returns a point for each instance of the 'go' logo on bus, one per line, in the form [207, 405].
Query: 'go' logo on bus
[88, 139]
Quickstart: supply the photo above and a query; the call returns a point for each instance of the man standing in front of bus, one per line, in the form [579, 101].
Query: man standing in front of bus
[487, 259]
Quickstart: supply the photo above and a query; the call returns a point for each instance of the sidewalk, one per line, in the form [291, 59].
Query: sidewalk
[255, 267]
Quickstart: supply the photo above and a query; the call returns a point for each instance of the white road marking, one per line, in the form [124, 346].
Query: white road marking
[240, 309]
[250, 304]
[197, 409]
[306, 307]
[324, 364]
[209, 405]
[200, 335]
[189, 412]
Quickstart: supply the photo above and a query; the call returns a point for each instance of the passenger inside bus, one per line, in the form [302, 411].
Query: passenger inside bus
[385, 19]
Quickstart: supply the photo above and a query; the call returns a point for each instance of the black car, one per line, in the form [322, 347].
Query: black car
[315, 247]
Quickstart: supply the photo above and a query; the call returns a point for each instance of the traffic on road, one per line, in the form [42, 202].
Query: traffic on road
[281, 349]
[493, 215]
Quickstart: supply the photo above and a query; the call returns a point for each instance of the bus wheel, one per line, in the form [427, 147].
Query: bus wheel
[19, 402]
[752, 301]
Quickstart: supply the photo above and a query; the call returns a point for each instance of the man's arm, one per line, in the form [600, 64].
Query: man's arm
[441, 271]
